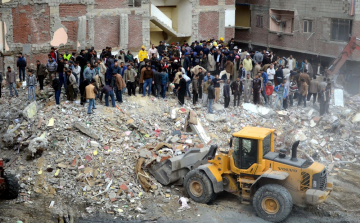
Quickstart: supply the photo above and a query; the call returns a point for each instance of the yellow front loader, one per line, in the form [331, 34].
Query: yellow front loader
[251, 170]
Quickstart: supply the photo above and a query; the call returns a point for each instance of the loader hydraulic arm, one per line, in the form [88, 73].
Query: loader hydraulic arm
[344, 55]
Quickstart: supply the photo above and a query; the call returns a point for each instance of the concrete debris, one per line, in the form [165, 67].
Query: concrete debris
[103, 160]
[37, 145]
[30, 111]
[86, 130]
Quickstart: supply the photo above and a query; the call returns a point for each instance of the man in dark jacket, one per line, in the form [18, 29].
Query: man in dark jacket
[40, 73]
[195, 88]
[236, 88]
[279, 75]
[21, 64]
[181, 90]
[211, 97]
[161, 49]
[60, 70]
[227, 93]
[57, 88]
[256, 89]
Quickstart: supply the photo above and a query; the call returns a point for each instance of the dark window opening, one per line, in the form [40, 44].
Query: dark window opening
[259, 21]
[266, 145]
[341, 29]
[307, 26]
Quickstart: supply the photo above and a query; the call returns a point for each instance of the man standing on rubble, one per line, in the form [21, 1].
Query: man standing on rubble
[164, 82]
[108, 91]
[57, 88]
[51, 66]
[130, 76]
[205, 92]
[247, 88]
[148, 80]
[119, 85]
[91, 92]
[236, 88]
[11, 80]
[247, 63]
[40, 73]
[226, 92]
[21, 64]
[71, 85]
[281, 93]
[211, 97]
[256, 88]
[313, 89]
[195, 87]
[31, 84]
[181, 90]
[303, 92]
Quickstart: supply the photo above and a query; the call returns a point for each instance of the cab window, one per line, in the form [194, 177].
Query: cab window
[245, 152]
[266, 145]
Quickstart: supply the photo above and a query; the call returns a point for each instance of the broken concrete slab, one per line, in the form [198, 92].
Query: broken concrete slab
[87, 131]
[356, 118]
[30, 111]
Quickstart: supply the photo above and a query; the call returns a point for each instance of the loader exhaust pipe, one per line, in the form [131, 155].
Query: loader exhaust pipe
[294, 151]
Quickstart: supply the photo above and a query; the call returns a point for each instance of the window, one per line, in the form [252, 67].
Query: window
[245, 152]
[242, 15]
[259, 21]
[134, 3]
[266, 145]
[307, 26]
[341, 29]
[281, 21]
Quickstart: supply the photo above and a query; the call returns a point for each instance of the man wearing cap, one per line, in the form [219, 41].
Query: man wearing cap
[40, 73]
[248, 66]
[90, 93]
[142, 54]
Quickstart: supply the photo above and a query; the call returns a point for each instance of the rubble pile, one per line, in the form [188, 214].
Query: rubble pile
[101, 159]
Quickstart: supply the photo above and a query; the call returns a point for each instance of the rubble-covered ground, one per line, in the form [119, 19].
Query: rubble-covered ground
[74, 167]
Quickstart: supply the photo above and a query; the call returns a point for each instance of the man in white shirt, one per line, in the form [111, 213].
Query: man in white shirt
[271, 72]
[291, 62]
[76, 72]
[318, 70]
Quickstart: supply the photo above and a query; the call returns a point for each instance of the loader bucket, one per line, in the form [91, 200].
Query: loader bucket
[173, 170]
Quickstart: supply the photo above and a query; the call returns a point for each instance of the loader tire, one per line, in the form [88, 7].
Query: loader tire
[199, 187]
[272, 202]
[12, 187]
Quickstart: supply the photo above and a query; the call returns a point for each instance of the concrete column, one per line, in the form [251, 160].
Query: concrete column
[91, 40]
[222, 23]
[81, 35]
[146, 4]
[124, 31]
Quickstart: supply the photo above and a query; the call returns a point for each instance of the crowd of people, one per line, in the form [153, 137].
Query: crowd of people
[202, 70]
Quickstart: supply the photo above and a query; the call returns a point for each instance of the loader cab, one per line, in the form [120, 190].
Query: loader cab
[249, 146]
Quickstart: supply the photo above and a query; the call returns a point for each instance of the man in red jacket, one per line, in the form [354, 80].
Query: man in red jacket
[269, 89]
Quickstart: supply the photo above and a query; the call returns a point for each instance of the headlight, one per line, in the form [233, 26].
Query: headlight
[314, 184]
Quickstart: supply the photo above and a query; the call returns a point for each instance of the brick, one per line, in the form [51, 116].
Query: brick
[71, 27]
[75, 10]
[229, 33]
[209, 25]
[107, 31]
[31, 24]
[123, 187]
[229, 2]
[208, 2]
[135, 32]
[110, 4]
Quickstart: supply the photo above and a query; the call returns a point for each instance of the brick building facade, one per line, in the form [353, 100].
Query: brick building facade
[32, 27]
[312, 28]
